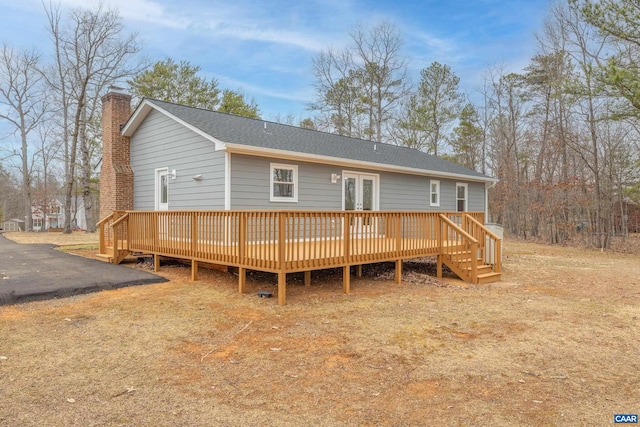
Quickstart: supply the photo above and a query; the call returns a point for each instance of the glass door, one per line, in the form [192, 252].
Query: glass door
[162, 190]
[361, 194]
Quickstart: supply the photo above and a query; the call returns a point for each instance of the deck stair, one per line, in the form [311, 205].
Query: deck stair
[461, 264]
[474, 245]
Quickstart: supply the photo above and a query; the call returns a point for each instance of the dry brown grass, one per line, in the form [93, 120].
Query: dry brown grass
[54, 238]
[555, 343]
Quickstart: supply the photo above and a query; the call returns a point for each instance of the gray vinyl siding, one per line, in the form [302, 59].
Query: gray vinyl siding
[250, 188]
[476, 197]
[161, 142]
[411, 193]
[404, 192]
[250, 182]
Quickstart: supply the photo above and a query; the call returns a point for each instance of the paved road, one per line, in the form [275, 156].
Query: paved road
[37, 272]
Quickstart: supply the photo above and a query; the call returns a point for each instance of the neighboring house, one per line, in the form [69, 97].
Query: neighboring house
[46, 216]
[12, 224]
[53, 216]
[188, 158]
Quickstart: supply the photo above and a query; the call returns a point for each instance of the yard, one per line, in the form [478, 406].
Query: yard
[554, 343]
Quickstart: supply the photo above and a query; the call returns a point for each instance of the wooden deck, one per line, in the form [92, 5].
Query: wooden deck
[291, 241]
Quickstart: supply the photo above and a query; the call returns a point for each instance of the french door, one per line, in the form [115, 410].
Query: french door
[360, 193]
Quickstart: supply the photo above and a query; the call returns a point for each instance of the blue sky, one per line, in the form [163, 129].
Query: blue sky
[264, 48]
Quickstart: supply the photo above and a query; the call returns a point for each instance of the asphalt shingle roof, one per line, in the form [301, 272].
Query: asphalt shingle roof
[229, 128]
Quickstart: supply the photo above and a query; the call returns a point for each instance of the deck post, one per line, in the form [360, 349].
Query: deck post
[307, 278]
[194, 233]
[359, 270]
[346, 222]
[398, 233]
[439, 225]
[194, 270]
[346, 279]
[282, 274]
[398, 271]
[242, 236]
[156, 262]
[474, 263]
[156, 231]
[282, 288]
[242, 279]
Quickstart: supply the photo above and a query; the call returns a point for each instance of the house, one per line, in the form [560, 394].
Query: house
[212, 187]
[47, 215]
[51, 215]
[189, 158]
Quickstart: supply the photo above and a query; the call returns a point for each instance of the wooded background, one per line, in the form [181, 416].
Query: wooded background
[561, 135]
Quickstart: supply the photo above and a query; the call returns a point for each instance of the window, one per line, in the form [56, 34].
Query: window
[164, 188]
[435, 193]
[284, 183]
[461, 197]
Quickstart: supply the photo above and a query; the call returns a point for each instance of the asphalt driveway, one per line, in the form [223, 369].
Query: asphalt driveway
[37, 272]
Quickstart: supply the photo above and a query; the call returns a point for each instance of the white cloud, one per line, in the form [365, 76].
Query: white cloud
[249, 32]
[303, 95]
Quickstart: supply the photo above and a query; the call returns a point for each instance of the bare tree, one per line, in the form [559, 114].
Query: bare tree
[587, 48]
[47, 153]
[359, 88]
[91, 54]
[384, 72]
[24, 100]
[339, 96]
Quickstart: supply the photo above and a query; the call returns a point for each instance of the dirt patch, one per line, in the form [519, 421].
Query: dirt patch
[554, 343]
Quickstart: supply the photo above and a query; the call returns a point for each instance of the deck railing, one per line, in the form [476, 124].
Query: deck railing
[291, 241]
[489, 244]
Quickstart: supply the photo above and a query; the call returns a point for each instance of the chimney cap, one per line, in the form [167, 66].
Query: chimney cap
[117, 89]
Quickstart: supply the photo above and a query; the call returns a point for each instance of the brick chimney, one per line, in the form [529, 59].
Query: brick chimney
[116, 175]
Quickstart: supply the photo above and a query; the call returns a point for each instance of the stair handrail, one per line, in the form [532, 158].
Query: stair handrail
[103, 227]
[458, 229]
[489, 232]
[115, 227]
[468, 239]
[497, 246]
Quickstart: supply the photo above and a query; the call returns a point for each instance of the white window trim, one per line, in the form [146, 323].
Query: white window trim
[437, 183]
[273, 198]
[466, 196]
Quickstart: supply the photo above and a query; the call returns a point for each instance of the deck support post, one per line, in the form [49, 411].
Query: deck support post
[242, 279]
[398, 271]
[307, 278]
[194, 270]
[439, 267]
[156, 262]
[359, 270]
[282, 288]
[346, 279]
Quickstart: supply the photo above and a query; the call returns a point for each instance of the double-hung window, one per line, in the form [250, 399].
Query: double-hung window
[461, 197]
[434, 192]
[284, 183]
